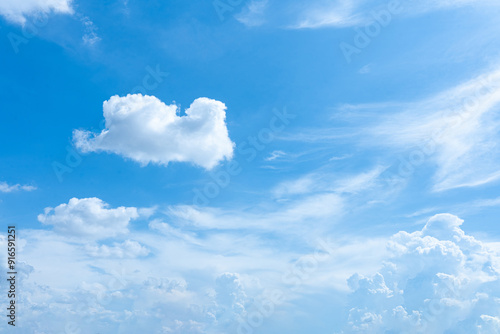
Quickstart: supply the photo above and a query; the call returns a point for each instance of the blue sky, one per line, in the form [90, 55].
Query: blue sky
[177, 159]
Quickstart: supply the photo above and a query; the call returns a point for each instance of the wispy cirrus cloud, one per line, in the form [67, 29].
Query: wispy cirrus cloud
[350, 13]
[457, 129]
[341, 13]
[254, 13]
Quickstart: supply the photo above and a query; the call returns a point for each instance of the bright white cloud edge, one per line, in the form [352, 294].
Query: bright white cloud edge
[146, 130]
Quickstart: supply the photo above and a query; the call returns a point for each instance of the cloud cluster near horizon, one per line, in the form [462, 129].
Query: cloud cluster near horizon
[431, 281]
[146, 130]
[437, 280]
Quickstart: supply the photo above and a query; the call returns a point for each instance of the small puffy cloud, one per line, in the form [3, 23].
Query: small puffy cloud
[90, 36]
[126, 249]
[438, 280]
[89, 217]
[6, 188]
[146, 130]
[18, 11]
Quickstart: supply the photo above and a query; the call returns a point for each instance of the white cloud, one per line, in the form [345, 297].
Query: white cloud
[436, 280]
[365, 69]
[320, 182]
[90, 36]
[456, 129]
[89, 217]
[146, 130]
[275, 155]
[489, 324]
[431, 5]
[253, 14]
[17, 11]
[344, 13]
[210, 285]
[126, 249]
[318, 208]
[340, 13]
[6, 188]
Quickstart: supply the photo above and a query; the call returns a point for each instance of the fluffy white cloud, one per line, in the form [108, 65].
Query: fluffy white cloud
[437, 280]
[17, 11]
[89, 217]
[146, 130]
[6, 188]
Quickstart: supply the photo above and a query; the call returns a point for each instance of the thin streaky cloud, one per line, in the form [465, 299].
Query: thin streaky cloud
[457, 129]
[6, 188]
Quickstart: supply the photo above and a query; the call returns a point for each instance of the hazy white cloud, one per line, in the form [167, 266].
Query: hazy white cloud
[457, 129]
[329, 182]
[431, 281]
[6, 188]
[17, 11]
[146, 130]
[126, 249]
[435, 280]
[90, 36]
[432, 5]
[275, 155]
[253, 13]
[89, 217]
[316, 14]
[319, 207]
[340, 13]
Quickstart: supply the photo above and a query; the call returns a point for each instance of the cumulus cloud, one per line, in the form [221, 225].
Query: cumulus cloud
[437, 280]
[6, 188]
[89, 217]
[146, 130]
[18, 11]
